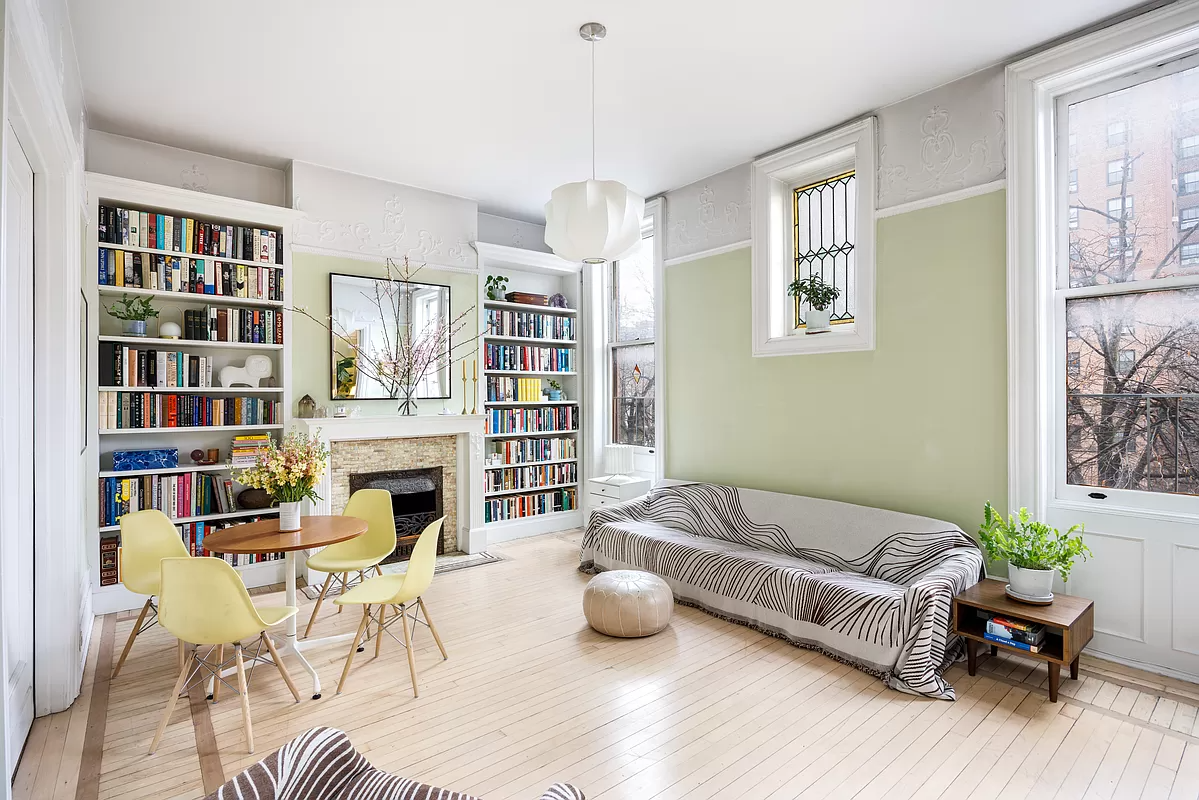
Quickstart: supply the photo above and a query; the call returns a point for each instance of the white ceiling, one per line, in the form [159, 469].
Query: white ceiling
[489, 100]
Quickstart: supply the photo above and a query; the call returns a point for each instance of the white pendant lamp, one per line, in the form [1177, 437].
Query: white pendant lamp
[593, 221]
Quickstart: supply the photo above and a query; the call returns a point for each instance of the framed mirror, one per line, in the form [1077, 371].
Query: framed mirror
[367, 313]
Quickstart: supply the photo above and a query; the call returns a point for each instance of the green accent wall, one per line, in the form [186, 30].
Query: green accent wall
[917, 425]
[310, 359]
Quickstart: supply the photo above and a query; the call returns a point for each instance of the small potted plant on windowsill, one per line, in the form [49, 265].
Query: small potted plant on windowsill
[134, 311]
[820, 296]
[1034, 552]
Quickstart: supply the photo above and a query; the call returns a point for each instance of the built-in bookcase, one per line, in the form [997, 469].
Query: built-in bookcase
[220, 269]
[535, 485]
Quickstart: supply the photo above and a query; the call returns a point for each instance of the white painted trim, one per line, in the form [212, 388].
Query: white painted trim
[942, 199]
[1141, 665]
[712, 251]
[511, 529]
[500, 256]
[655, 211]
[187, 201]
[772, 177]
[374, 259]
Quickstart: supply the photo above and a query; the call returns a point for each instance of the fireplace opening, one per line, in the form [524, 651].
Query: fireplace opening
[415, 502]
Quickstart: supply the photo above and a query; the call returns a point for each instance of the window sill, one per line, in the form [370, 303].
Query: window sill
[840, 339]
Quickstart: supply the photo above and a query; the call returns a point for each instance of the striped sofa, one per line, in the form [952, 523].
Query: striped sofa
[322, 765]
[866, 586]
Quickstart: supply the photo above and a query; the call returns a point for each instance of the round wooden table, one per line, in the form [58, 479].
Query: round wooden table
[264, 536]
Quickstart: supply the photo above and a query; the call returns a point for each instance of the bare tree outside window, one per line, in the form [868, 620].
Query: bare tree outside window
[631, 347]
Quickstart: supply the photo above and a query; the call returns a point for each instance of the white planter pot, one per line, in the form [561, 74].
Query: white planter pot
[817, 320]
[1036, 583]
[289, 516]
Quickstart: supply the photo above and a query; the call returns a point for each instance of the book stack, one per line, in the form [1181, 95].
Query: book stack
[524, 451]
[121, 365]
[140, 410]
[530, 325]
[164, 273]
[186, 235]
[188, 494]
[243, 451]
[529, 505]
[531, 359]
[543, 477]
[245, 325]
[531, 420]
[1028, 636]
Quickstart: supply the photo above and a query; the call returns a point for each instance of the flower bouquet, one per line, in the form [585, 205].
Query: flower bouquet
[288, 472]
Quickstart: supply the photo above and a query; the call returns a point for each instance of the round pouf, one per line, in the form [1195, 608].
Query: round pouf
[628, 603]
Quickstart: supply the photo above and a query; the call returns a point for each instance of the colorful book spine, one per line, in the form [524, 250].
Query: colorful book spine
[1031, 648]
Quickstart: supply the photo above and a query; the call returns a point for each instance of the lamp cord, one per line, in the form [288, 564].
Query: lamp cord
[593, 109]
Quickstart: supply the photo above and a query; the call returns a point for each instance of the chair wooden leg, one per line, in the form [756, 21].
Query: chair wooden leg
[320, 599]
[245, 696]
[281, 666]
[345, 579]
[166, 714]
[216, 679]
[408, 647]
[378, 570]
[379, 634]
[432, 629]
[345, 672]
[181, 654]
[137, 626]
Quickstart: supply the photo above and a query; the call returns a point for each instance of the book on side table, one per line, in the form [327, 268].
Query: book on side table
[1054, 633]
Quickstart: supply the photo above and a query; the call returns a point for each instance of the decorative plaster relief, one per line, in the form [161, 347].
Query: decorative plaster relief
[944, 140]
[708, 214]
[356, 215]
[495, 229]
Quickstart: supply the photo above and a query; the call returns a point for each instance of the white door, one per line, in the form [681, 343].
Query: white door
[16, 435]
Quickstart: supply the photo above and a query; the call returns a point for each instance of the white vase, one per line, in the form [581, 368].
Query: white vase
[289, 516]
[1033, 583]
[817, 320]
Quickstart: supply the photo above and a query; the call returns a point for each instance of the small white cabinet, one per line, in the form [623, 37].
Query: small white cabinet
[615, 489]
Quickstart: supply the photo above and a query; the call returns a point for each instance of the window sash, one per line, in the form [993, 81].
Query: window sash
[612, 344]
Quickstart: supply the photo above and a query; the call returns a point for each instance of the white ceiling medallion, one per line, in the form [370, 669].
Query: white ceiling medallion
[593, 221]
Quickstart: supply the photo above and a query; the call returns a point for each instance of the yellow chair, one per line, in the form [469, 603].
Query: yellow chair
[147, 537]
[203, 601]
[398, 592]
[362, 553]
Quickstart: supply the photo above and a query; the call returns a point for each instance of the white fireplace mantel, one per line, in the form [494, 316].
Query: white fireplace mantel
[468, 428]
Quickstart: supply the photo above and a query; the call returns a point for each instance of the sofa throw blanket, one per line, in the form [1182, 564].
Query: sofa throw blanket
[321, 764]
[867, 586]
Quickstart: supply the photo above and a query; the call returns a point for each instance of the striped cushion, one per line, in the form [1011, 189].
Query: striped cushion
[321, 764]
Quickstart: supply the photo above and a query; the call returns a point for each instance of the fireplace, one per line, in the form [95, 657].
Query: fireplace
[416, 500]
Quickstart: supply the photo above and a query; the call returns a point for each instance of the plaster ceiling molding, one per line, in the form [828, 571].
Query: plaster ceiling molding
[709, 214]
[193, 178]
[355, 215]
[944, 140]
[495, 229]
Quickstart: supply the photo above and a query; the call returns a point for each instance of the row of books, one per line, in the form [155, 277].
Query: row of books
[513, 390]
[532, 420]
[530, 324]
[186, 235]
[1028, 636]
[133, 410]
[188, 494]
[162, 273]
[122, 365]
[245, 325]
[192, 534]
[519, 506]
[543, 477]
[244, 449]
[524, 451]
[527, 357]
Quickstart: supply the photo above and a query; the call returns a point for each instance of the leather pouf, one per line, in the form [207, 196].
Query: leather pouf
[627, 603]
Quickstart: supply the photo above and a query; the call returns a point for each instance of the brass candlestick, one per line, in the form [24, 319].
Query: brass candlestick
[464, 388]
[474, 404]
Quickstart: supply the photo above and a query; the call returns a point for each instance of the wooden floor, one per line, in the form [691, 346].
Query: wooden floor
[705, 709]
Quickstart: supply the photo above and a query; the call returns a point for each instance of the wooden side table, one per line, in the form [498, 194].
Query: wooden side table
[1069, 625]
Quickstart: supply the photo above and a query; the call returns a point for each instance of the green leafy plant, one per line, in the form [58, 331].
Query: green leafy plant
[557, 387]
[132, 308]
[496, 286]
[1028, 544]
[819, 294]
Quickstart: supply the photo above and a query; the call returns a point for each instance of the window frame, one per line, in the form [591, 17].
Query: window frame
[1124, 175]
[1122, 137]
[1125, 211]
[1182, 183]
[1183, 147]
[773, 178]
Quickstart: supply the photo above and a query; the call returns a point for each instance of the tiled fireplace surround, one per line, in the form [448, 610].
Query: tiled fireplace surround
[374, 444]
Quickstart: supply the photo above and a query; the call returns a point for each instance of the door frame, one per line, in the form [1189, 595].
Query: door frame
[33, 105]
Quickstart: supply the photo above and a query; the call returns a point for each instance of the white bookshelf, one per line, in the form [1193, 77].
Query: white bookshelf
[104, 190]
[537, 273]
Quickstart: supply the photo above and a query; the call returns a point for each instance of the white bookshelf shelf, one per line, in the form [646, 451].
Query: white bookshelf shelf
[520, 403]
[133, 473]
[128, 248]
[182, 344]
[529, 434]
[504, 305]
[190, 429]
[531, 341]
[532, 490]
[245, 512]
[196, 389]
[529, 372]
[530, 464]
[187, 297]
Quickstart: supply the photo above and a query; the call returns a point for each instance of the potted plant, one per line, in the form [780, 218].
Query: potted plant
[134, 311]
[496, 286]
[288, 472]
[555, 390]
[1034, 552]
[820, 296]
